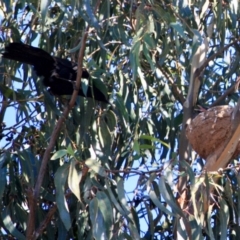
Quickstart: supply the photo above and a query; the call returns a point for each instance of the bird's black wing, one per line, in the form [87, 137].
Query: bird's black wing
[58, 74]
[42, 61]
[63, 78]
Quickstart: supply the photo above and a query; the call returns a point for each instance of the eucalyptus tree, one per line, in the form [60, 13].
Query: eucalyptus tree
[76, 168]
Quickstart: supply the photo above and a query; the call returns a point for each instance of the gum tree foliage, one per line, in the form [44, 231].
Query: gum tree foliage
[141, 53]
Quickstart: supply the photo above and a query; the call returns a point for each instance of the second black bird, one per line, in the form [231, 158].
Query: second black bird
[58, 74]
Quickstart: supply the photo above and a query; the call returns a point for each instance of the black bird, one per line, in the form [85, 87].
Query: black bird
[58, 74]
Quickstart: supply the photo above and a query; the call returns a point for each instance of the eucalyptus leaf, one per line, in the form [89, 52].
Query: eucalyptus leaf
[94, 165]
[74, 178]
[60, 180]
[59, 154]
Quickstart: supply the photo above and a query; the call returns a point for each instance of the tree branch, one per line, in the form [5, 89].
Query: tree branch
[54, 136]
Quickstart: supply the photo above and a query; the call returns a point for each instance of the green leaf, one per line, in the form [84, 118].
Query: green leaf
[59, 154]
[196, 228]
[97, 83]
[111, 120]
[60, 180]
[115, 201]
[105, 138]
[29, 165]
[224, 219]
[74, 178]
[168, 196]
[94, 165]
[178, 27]
[150, 218]
[148, 57]
[134, 56]
[44, 9]
[209, 229]
[70, 150]
[156, 201]
[189, 171]
[62, 232]
[97, 219]
[121, 195]
[154, 194]
[84, 86]
[153, 139]
[107, 213]
[10, 226]
[88, 8]
[122, 109]
[133, 231]
[3, 173]
[136, 219]
[136, 147]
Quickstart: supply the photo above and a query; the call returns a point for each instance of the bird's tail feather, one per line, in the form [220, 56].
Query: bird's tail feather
[30, 55]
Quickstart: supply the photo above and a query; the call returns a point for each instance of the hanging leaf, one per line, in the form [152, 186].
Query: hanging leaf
[60, 180]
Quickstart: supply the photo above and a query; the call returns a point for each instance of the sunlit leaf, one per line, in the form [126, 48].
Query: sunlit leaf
[3, 173]
[224, 218]
[103, 204]
[153, 139]
[94, 165]
[44, 8]
[121, 195]
[74, 178]
[59, 154]
[70, 150]
[105, 137]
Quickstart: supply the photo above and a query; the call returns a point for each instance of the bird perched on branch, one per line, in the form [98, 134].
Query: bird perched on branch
[58, 74]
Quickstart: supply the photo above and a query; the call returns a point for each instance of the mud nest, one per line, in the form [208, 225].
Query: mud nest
[210, 129]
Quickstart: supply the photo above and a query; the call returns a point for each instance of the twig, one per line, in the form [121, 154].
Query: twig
[106, 44]
[212, 57]
[46, 221]
[159, 170]
[176, 91]
[229, 91]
